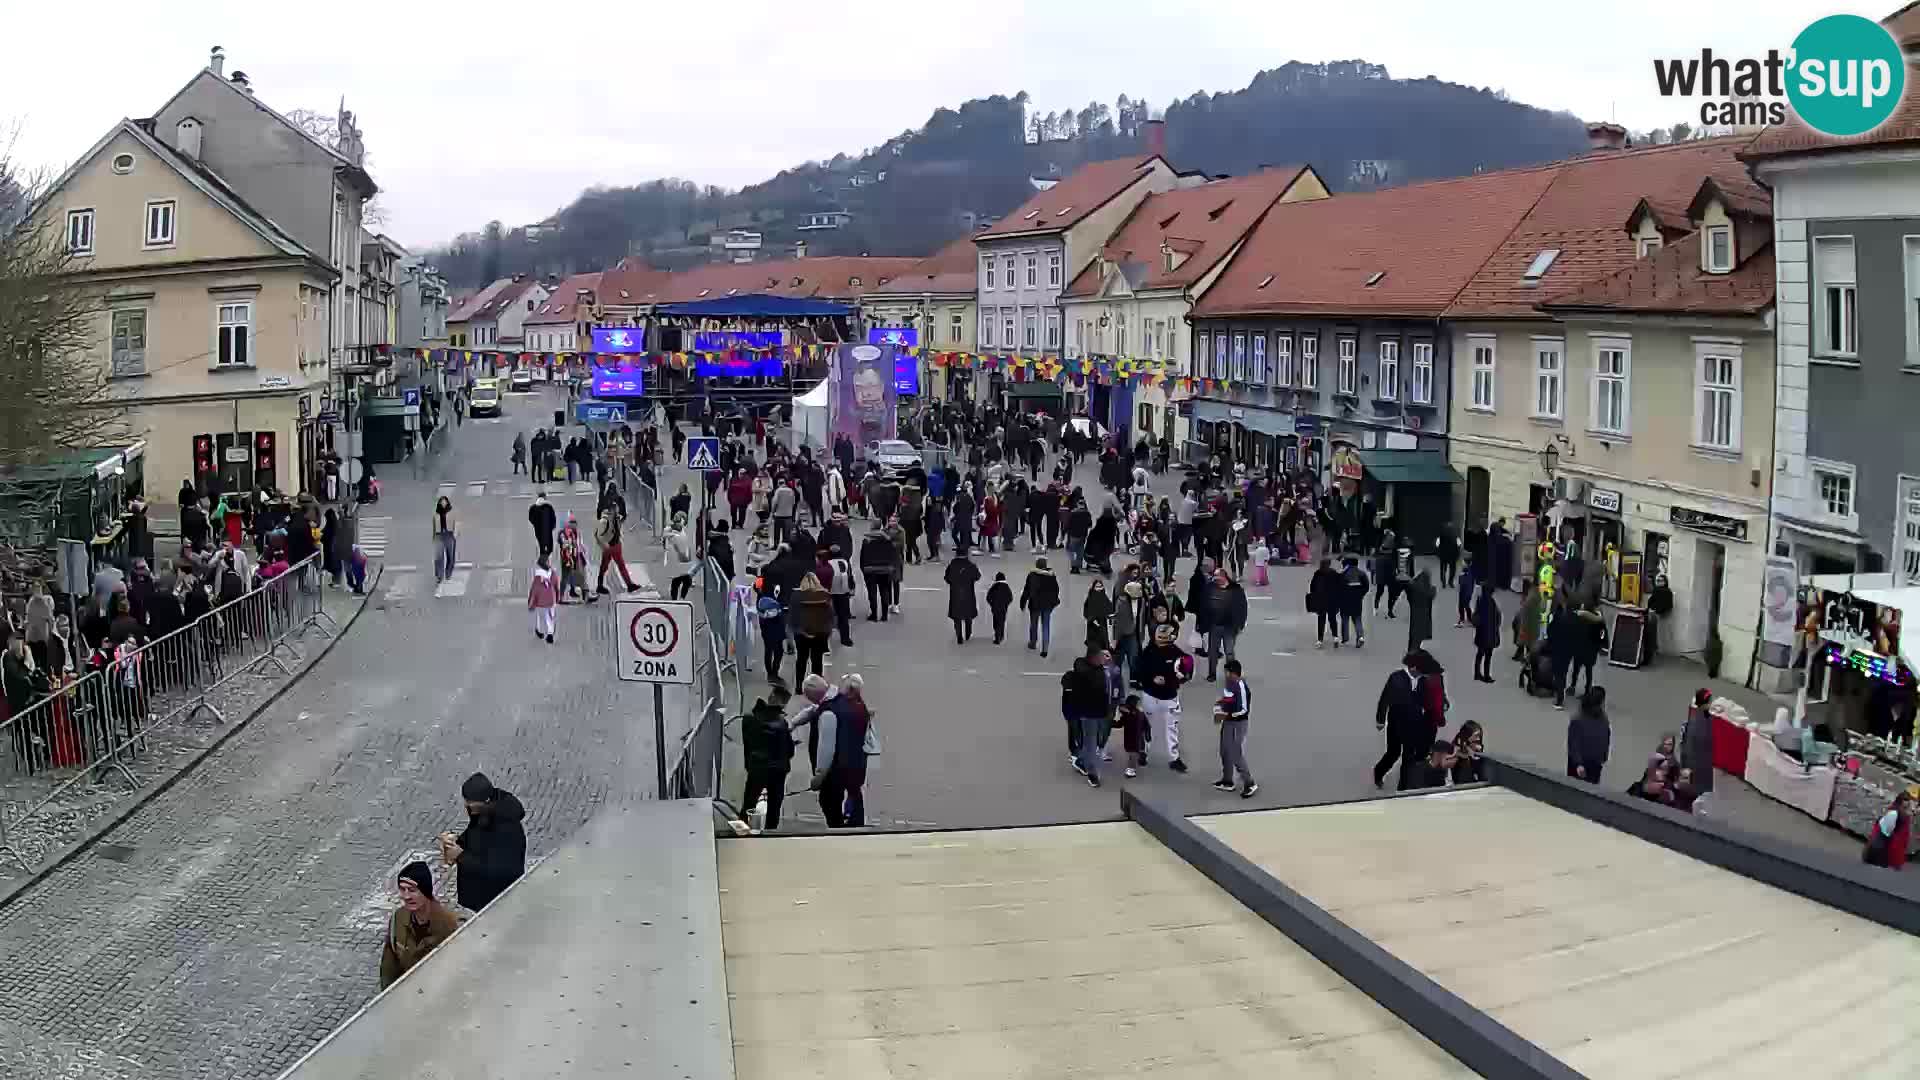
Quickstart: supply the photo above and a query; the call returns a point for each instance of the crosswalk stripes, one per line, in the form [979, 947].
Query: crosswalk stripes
[373, 536]
[476, 488]
[496, 583]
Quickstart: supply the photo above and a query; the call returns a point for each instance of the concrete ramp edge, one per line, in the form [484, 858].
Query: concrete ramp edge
[1477, 1040]
[1892, 900]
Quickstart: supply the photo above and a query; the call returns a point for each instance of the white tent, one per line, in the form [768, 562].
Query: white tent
[810, 420]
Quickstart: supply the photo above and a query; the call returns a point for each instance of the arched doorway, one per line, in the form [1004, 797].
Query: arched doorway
[1479, 484]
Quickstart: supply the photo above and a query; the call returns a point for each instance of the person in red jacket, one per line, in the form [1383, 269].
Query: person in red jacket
[990, 523]
[1891, 835]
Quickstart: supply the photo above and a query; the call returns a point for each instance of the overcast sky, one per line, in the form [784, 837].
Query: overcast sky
[479, 111]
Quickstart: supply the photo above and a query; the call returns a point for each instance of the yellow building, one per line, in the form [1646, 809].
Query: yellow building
[213, 320]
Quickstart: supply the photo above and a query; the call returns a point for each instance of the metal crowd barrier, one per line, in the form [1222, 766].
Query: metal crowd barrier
[694, 768]
[93, 723]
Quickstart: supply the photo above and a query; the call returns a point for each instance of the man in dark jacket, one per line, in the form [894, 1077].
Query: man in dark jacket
[1399, 714]
[1564, 636]
[877, 558]
[767, 742]
[1083, 698]
[1486, 631]
[1591, 642]
[1200, 596]
[1229, 619]
[545, 522]
[836, 534]
[840, 767]
[1353, 601]
[1038, 597]
[1079, 527]
[1323, 599]
[1159, 674]
[492, 853]
[962, 605]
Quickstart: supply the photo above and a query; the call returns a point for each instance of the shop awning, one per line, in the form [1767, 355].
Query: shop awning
[1408, 466]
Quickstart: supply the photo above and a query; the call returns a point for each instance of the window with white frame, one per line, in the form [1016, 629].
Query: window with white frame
[1030, 337]
[1283, 359]
[1053, 269]
[1220, 369]
[1006, 271]
[1120, 336]
[1202, 352]
[1420, 390]
[955, 324]
[1310, 362]
[1646, 245]
[1612, 374]
[80, 232]
[1033, 271]
[1909, 536]
[1482, 372]
[160, 222]
[1259, 369]
[129, 342]
[986, 275]
[1007, 340]
[1347, 380]
[1719, 249]
[234, 335]
[1833, 492]
[1549, 369]
[1389, 372]
[1239, 357]
[986, 326]
[1148, 336]
[1716, 398]
[1834, 296]
[1053, 329]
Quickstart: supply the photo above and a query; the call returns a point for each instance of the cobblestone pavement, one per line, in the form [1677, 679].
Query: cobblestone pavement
[168, 750]
[235, 920]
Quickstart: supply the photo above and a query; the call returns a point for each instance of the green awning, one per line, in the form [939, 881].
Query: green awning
[1408, 466]
[1036, 389]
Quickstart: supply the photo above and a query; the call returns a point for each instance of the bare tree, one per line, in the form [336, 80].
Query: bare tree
[325, 130]
[58, 398]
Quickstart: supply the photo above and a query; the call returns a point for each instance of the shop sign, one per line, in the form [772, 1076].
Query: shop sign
[1779, 605]
[236, 454]
[275, 382]
[1347, 465]
[1700, 521]
[1605, 499]
[306, 406]
[1306, 425]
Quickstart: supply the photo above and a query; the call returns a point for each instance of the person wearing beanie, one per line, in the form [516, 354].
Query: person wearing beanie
[418, 927]
[492, 853]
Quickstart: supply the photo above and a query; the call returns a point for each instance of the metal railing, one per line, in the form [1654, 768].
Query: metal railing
[694, 766]
[92, 724]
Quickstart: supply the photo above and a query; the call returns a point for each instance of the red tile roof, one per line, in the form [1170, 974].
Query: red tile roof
[1670, 282]
[949, 270]
[503, 300]
[1904, 25]
[1581, 214]
[564, 305]
[629, 281]
[825, 278]
[1426, 240]
[1795, 137]
[1078, 194]
[1203, 222]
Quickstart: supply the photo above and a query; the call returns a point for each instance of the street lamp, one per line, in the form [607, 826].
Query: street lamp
[1550, 459]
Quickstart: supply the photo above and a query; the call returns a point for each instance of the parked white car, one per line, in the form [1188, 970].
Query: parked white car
[893, 457]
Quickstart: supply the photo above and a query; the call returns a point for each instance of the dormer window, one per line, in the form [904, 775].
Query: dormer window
[1375, 277]
[854, 282]
[1264, 282]
[1646, 245]
[702, 292]
[1538, 268]
[1063, 211]
[1030, 215]
[1719, 249]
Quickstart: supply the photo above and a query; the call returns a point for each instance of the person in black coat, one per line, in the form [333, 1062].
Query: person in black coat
[1588, 645]
[1097, 610]
[545, 522]
[491, 853]
[1400, 715]
[1448, 548]
[720, 549]
[1486, 632]
[877, 557]
[1564, 636]
[1589, 736]
[1353, 601]
[1038, 597]
[767, 744]
[1323, 599]
[1200, 597]
[999, 599]
[963, 606]
[1102, 539]
[1419, 593]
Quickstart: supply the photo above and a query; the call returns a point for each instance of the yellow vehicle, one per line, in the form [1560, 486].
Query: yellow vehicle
[485, 399]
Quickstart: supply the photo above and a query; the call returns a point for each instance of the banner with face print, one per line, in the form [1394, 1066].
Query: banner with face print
[862, 393]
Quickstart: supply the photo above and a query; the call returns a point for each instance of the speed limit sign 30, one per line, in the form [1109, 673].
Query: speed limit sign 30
[654, 640]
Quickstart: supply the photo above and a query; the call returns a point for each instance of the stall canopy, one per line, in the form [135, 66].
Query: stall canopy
[811, 419]
[1408, 466]
[1884, 591]
[757, 305]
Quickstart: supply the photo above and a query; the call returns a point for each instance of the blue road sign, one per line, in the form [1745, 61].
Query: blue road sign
[703, 452]
[410, 396]
[600, 412]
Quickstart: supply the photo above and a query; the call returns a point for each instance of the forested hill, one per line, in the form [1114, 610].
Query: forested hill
[1352, 122]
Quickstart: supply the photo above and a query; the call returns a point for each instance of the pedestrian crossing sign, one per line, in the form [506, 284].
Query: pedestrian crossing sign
[703, 452]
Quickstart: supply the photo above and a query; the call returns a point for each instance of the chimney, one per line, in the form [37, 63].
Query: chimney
[217, 63]
[186, 138]
[1606, 135]
[1156, 137]
[239, 79]
[800, 249]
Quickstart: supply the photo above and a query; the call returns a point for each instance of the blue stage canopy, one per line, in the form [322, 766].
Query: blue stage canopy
[757, 305]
